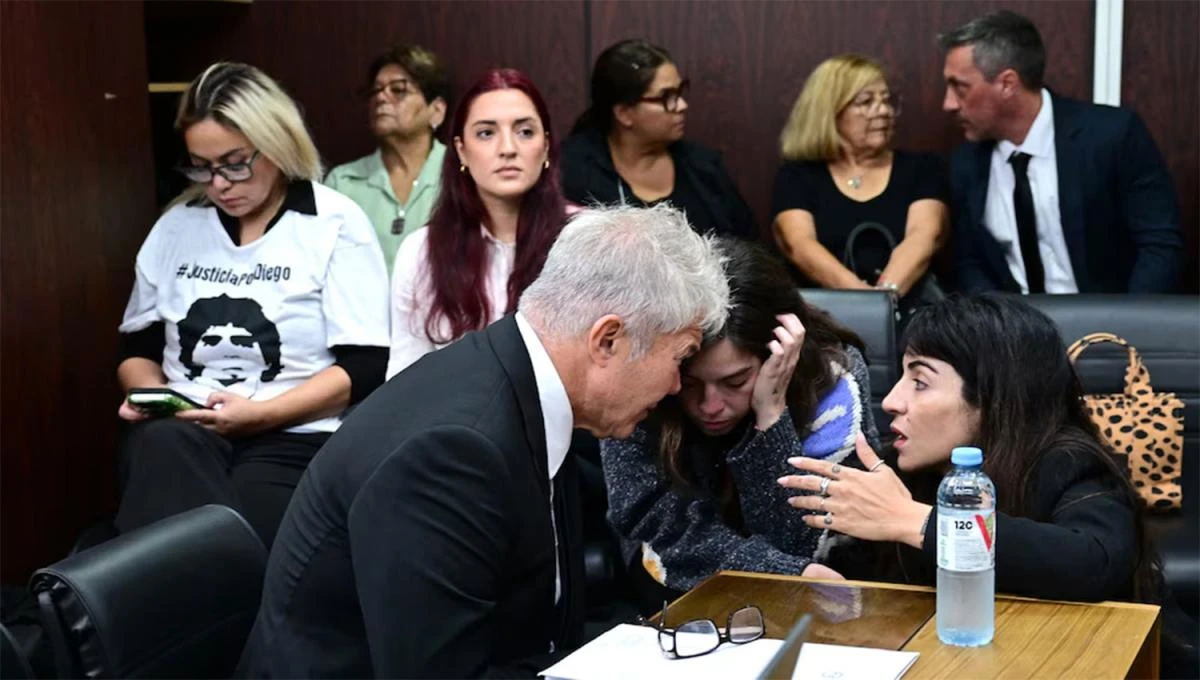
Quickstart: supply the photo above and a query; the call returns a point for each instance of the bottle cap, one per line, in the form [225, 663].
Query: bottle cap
[966, 455]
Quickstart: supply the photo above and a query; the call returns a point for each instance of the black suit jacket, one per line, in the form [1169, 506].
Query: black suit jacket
[419, 542]
[1119, 214]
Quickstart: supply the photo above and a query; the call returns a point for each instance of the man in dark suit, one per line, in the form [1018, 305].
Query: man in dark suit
[437, 533]
[1050, 194]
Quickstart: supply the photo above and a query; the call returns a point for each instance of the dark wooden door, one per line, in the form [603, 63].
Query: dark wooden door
[76, 200]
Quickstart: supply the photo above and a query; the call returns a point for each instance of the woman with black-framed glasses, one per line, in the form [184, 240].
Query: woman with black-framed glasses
[261, 296]
[628, 148]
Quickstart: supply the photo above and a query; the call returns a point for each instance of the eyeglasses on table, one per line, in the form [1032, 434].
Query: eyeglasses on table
[698, 637]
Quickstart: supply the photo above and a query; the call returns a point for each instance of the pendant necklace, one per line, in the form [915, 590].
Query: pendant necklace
[856, 180]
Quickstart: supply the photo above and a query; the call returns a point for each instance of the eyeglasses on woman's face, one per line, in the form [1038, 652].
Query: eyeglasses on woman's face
[395, 89]
[232, 172]
[867, 104]
[670, 98]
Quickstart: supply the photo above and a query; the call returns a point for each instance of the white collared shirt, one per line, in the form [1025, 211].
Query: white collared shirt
[1000, 217]
[412, 296]
[557, 417]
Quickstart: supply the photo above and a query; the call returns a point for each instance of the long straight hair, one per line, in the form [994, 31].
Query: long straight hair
[457, 254]
[1015, 371]
[760, 289]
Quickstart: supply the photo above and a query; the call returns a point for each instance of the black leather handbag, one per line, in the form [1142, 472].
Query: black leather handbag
[925, 292]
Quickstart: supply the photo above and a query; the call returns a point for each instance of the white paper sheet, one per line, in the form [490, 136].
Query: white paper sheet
[629, 651]
[820, 662]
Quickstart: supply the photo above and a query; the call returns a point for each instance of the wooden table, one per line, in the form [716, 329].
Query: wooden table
[1034, 638]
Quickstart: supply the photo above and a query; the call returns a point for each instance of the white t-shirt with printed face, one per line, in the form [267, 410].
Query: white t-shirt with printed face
[258, 320]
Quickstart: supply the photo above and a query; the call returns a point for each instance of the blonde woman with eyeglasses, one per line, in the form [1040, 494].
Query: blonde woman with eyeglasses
[260, 301]
[840, 171]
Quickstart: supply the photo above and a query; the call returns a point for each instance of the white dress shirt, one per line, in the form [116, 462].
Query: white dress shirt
[412, 296]
[557, 417]
[1000, 217]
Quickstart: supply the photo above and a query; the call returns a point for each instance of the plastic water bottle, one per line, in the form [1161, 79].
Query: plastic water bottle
[966, 552]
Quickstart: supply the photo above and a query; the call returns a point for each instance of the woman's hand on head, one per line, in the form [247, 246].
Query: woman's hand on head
[871, 504]
[770, 387]
[230, 415]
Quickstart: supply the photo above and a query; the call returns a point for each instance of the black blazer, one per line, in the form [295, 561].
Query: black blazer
[589, 178]
[1119, 213]
[419, 542]
[1078, 540]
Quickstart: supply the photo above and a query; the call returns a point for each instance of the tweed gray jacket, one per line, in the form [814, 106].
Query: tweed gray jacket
[680, 534]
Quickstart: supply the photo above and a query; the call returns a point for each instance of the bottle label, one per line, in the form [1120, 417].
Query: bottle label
[966, 539]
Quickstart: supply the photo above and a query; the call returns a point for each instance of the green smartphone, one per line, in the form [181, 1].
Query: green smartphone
[160, 402]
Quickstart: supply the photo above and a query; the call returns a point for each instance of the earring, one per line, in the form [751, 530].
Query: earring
[546, 164]
[462, 168]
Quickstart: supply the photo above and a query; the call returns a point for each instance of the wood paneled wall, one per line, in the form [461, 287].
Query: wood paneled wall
[328, 46]
[1160, 79]
[75, 203]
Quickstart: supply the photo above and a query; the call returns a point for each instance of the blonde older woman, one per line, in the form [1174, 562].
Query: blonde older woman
[841, 172]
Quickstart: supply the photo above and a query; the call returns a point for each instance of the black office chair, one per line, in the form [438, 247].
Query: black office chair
[173, 599]
[12, 662]
[1166, 332]
[872, 315]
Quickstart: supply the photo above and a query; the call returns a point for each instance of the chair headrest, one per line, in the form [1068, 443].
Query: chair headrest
[179, 593]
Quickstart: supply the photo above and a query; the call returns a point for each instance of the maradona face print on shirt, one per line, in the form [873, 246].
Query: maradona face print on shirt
[259, 319]
[229, 341]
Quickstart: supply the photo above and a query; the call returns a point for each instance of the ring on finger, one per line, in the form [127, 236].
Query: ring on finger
[835, 469]
[875, 466]
[825, 486]
[828, 519]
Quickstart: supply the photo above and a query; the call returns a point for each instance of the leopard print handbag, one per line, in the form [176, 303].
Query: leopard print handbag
[1141, 425]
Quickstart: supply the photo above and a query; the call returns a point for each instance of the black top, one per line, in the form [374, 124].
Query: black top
[683, 195]
[419, 541]
[703, 188]
[1077, 540]
[808, 185]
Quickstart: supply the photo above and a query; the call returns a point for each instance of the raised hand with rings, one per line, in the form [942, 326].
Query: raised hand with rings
[871, 504]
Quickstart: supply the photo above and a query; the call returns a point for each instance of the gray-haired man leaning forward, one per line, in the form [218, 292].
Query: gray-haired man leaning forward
[437, 533]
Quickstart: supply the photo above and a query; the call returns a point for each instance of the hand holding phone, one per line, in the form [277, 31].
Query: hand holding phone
[160, 402]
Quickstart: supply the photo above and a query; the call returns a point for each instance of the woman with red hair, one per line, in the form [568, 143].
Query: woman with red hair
[500, 210]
